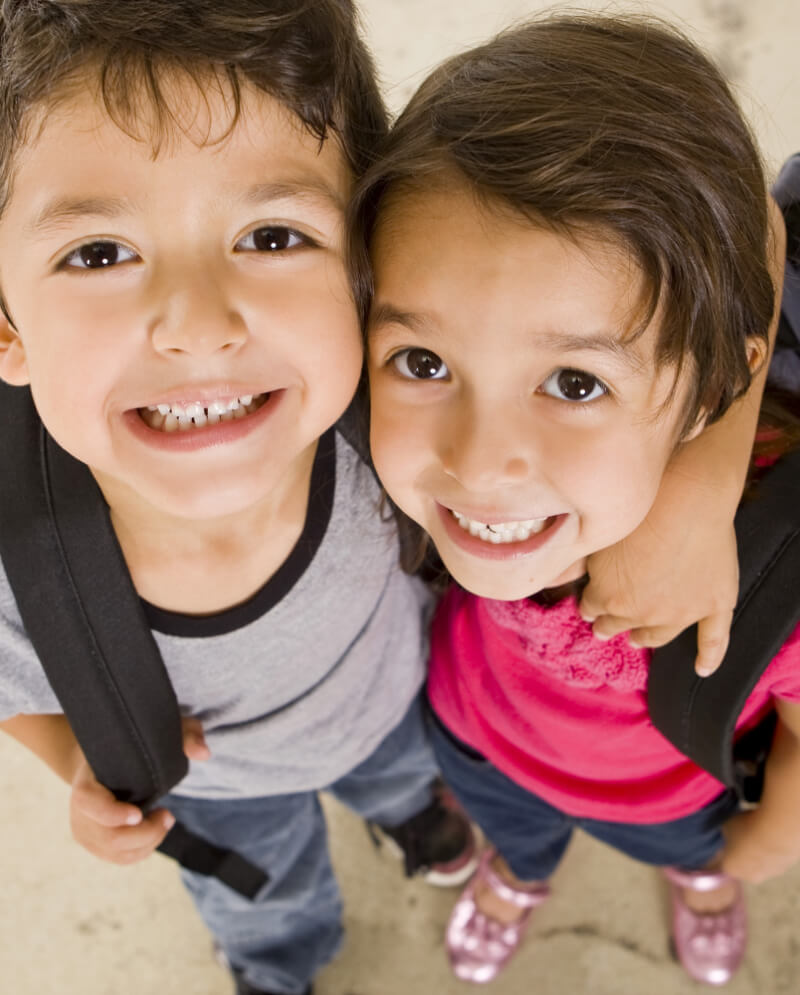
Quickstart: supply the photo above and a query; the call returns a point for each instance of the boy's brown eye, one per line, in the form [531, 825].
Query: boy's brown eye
[420, 364]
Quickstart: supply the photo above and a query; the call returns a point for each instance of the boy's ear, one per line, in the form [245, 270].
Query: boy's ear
[13, 361]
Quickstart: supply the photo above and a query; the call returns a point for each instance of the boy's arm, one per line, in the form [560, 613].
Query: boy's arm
[680, 566]
[765, 842]
[50, 738]
[112, 830]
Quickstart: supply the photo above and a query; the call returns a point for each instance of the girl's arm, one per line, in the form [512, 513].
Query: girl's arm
[765, 842]
[680, 566]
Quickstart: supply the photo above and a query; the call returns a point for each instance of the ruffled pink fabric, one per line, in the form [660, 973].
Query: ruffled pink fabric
[556, 639]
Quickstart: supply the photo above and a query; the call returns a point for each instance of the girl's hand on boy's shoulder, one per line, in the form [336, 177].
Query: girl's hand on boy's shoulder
[752, 854]
[659, 580]
[116, 831]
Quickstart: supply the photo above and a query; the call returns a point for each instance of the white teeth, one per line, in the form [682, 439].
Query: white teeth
[501, 532]
[183, 417]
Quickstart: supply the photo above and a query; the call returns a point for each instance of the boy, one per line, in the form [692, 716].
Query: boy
[175, 293]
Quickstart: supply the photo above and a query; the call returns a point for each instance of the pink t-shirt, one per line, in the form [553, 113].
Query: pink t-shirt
[565, 715]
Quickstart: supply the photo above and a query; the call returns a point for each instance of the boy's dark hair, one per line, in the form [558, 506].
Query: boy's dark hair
[615, 126]
[308, 54]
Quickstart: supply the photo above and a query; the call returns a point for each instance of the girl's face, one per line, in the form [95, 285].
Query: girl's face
[512, 415]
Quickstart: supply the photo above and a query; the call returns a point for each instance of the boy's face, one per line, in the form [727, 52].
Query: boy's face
[184, 320]
[509, 417]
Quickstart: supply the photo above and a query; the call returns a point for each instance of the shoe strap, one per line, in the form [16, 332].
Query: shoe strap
[522, 898]
[696, 880]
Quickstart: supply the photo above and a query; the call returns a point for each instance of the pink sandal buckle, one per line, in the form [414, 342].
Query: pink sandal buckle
[710, 946]
[478, 946]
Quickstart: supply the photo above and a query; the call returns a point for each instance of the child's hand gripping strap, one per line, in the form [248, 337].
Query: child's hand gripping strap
[87, 626]
[698, 714]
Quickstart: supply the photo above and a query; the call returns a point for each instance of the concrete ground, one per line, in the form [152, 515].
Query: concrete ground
[70, 925]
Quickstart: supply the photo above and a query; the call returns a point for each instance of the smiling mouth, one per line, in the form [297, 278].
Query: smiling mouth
[499, 533]
[199, 415]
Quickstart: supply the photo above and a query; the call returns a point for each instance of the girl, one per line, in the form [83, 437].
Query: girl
[568, 232]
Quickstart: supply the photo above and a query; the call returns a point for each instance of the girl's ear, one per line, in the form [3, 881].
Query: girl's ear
[13, 361]
[757, 350]
[696, 428]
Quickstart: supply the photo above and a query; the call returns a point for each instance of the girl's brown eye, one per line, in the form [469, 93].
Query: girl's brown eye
[420, 364]
[271, 238]
[574, 385]
[102, 254]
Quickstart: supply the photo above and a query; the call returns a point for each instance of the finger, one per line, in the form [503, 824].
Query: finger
[652, 636]
[97, 803]
[194, 740]
[608, 626]
[126, 843]
[589, 608]
[713, 635]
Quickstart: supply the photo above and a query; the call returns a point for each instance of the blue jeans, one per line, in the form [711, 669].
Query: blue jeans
[532, 835]
[293, 927]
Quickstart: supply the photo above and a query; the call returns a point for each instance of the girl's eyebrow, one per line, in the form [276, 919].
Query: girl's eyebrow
[387, 314]
[618, 348]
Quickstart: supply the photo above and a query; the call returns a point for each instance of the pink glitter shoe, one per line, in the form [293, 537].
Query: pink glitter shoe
[480, 947]
[711, 945]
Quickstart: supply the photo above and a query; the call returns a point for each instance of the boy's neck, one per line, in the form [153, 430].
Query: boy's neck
[200, 567]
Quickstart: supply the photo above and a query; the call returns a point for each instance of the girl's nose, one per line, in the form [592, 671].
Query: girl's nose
[486, 449]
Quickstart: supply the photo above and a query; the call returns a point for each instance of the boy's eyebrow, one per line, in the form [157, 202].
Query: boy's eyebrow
[312, 189]
[619, 348]
[62, 210]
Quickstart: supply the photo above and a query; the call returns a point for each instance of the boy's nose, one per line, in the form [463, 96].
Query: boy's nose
[197, 318]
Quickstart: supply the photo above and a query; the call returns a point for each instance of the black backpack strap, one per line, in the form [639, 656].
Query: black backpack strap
[699, 714]
[86, 623]
[77, 603]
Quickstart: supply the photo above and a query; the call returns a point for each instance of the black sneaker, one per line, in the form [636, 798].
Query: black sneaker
[438, 843]
[243, 988]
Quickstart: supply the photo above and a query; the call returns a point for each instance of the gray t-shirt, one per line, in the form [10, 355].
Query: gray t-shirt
[300, 684]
